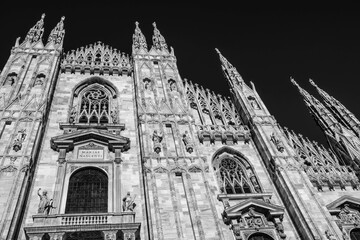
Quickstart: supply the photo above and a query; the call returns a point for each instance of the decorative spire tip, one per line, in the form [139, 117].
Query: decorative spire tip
[294, 82]
[154, 24]
[312, 82]
[62, 18]
[43, 15]
[217, 50]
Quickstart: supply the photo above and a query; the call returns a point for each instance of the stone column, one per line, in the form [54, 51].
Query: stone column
[118, 160]
[60, 176]
[110, 235]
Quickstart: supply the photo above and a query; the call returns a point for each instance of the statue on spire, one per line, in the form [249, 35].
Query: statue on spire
[57, 34]
[139, 41]
[35, 33]
[158, 40]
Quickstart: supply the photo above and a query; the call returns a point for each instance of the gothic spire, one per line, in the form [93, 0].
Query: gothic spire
[339, 110]
[57, 34]
[139, 41]
[230, 72]
[35, 33]
[320, 113]
[158, 40]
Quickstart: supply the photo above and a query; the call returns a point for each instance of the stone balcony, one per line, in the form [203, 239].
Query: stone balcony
[107, 225]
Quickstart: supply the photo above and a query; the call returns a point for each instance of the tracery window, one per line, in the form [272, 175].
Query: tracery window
[235, 177]
[87, 192]
[94, 102]
[94, 107]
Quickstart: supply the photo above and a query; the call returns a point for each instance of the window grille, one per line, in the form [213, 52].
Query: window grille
[87, 192]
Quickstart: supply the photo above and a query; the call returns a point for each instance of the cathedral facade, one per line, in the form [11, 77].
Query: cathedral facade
[99, 144]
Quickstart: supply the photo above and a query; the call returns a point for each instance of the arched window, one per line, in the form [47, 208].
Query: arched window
[95, 105]
[260, 236]
[87, 192]
[235, 174]
[355, 234]
[94, 101]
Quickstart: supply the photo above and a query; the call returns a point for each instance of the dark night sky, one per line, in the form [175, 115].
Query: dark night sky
[266, 45]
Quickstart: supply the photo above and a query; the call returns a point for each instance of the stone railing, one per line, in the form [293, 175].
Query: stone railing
[83, 219]
[225, 134]
[108, 225]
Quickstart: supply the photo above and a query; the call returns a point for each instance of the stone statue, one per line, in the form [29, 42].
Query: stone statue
[45, 204]
[277, 142]
[73, 114]
[157, 138]
[114, 115]
[253, 103]
[329, 235]
[173, 86]
[128, 203]
[187, 142]
[20, 138]
[39, 80]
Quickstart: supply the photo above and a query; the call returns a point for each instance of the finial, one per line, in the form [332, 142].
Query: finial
[136, 23]
[217, 50]
[312, 82]
[294, 82]
[62, 18]
[154, 24]
[43, 16]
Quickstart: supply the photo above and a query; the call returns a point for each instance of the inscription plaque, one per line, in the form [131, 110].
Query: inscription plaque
[90, 151]
[91, 154]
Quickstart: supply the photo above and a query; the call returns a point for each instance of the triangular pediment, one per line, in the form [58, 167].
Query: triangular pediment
[81, 136]
[352, 202]
[259, 206]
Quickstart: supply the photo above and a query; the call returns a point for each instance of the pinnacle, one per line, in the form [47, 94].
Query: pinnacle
[312, 83]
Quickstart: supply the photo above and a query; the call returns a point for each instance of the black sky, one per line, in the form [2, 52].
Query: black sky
[266, 45]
